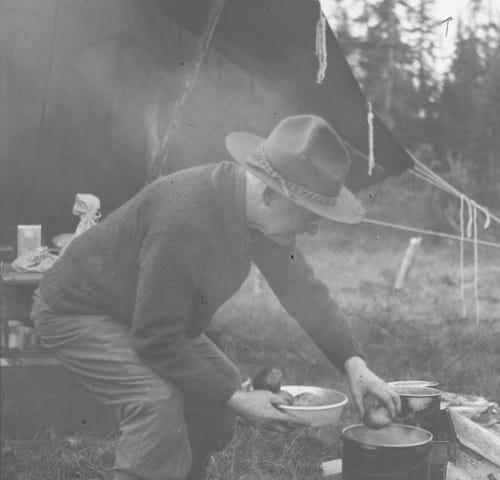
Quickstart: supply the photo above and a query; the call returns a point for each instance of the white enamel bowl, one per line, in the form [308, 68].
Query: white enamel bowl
[328, 413]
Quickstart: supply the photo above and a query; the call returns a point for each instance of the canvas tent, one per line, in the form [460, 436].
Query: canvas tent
[87, 88]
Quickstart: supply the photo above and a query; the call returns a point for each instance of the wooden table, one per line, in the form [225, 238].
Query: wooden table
[37, 391]
[16, 298]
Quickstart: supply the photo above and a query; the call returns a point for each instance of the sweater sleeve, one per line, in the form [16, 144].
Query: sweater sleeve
[306, 298]
[166, 289]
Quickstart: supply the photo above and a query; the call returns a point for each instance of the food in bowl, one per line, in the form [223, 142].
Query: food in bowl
[270, 379]
[306, 399]
[319, 406]
[288, 398]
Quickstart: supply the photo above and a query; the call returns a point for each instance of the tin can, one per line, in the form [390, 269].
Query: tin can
[420, 407]
[22, 338]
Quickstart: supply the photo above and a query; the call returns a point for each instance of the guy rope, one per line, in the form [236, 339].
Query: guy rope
[467, 233]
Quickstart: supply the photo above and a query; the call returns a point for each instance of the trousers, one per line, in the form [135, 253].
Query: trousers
[162, 435]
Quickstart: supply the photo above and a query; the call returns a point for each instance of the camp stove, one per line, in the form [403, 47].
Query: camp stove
[444, 446]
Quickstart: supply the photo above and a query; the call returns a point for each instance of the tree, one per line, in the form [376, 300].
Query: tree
[396, 56]
[487, 140]
[382, 57]
[470, 105]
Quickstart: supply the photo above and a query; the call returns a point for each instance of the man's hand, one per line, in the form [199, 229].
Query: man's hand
[363, 381]
[258, 408]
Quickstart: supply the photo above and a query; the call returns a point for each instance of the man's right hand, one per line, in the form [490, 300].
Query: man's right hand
[259, 408]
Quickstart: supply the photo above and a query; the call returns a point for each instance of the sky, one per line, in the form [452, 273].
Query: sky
[444, 38]
[457, 9]
[450, 8]
[446, 33]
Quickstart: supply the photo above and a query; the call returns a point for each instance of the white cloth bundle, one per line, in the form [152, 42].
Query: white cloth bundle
[87, 207]
[39, 260]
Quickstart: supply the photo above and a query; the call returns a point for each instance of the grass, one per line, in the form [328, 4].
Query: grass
[416, 333]
[82, 457]
[271, 456]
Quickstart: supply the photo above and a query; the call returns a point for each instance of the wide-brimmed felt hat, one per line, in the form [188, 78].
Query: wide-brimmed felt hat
[304, 159]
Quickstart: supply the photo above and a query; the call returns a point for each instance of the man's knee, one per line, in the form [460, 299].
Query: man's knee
[154, 441]
[160, 418]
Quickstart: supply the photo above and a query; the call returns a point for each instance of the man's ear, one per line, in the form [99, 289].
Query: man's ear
[268, 195]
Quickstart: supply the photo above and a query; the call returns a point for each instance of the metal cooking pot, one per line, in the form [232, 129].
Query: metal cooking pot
[397, 452]
[420, 407]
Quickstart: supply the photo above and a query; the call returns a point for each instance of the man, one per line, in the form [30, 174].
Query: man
[126, 306]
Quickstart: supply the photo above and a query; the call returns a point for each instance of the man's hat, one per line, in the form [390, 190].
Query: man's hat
[305, 160]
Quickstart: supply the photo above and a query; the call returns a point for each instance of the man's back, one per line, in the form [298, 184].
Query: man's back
[98, 272]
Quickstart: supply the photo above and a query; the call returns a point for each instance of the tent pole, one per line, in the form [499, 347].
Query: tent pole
[160, 159]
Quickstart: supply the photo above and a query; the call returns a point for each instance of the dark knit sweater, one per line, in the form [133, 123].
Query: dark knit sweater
[166, 260]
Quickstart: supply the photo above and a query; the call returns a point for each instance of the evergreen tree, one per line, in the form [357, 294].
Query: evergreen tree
[397, 57]
[470, 105]
[460, 108]
[487, 139]
[383, 56]
[420, 33]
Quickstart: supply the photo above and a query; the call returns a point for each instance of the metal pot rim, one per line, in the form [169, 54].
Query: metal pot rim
[407, 445]
[430, 392]
[414, 383]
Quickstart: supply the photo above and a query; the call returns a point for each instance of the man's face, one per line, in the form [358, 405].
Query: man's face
[285, 219]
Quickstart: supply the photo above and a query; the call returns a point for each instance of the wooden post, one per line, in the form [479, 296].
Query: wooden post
[407, 262]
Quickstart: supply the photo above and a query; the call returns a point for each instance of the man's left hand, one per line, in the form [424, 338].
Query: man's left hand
[363, 381]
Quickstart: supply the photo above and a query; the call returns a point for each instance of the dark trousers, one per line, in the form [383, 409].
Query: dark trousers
[162, 437]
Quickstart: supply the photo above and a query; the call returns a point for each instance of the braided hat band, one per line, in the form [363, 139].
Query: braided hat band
[303, 149]
[263, 164]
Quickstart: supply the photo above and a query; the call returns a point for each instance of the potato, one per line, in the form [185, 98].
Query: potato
[306, 399]
[377, 417]
[376, 413]
[268, 379]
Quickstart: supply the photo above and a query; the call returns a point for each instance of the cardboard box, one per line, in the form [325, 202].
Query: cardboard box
[29, 238]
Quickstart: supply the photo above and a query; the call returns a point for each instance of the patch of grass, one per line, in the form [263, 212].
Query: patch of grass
[272, 456]
[72, 458]
[415, 333]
